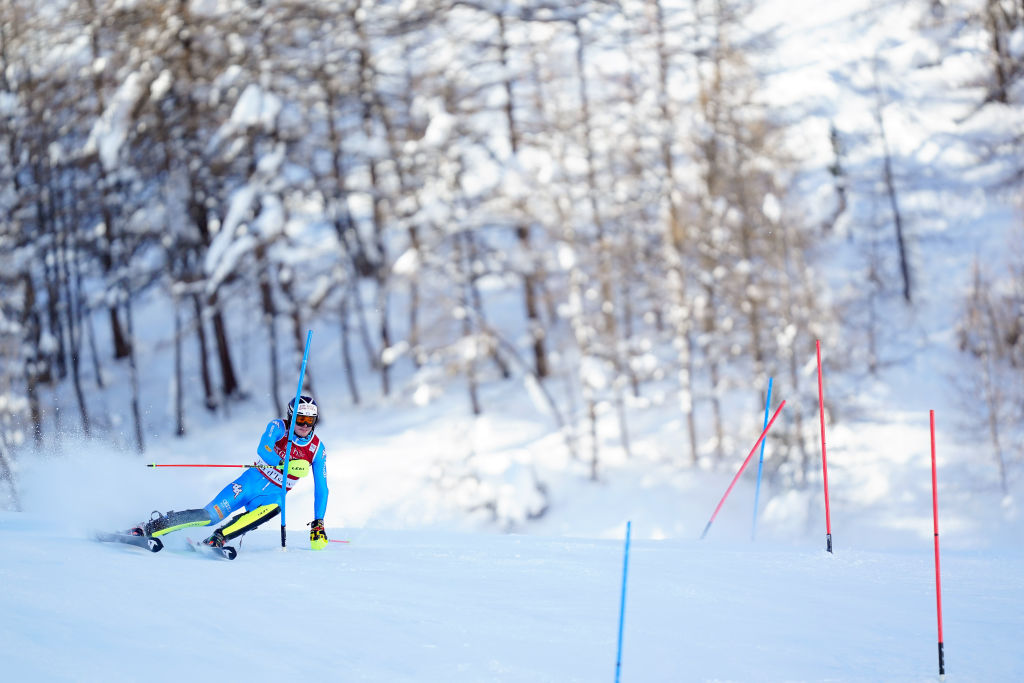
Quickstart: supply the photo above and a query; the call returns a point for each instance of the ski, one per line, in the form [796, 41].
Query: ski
[226, 552]
[151, 544]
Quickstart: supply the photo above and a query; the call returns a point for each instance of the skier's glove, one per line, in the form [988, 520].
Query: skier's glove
[317, 535]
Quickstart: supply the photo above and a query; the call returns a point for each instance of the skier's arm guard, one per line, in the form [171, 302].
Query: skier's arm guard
[271, 435]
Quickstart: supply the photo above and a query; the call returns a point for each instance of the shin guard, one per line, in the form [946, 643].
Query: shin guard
[248, 521]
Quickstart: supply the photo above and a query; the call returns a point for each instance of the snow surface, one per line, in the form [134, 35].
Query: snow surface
[419, 593]
[435, 606]
[424, 591]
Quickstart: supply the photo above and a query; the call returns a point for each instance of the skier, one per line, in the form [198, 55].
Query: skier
[258, 490]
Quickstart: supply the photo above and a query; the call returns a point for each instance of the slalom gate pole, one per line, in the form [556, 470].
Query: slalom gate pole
[935, 517]
[177, 465]
[760, 463]
[291, 434]
[824, 462]
[622, 603]
[742, 467]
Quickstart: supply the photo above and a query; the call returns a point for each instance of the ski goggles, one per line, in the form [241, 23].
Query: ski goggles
[305, 420]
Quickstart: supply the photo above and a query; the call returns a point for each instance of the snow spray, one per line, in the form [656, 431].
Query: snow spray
[760, 463]
[742, 467]
[291, 434]
[824, 462]
[622, 603]
[935, 518]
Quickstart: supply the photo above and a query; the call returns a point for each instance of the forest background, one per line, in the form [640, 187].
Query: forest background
[617, 218]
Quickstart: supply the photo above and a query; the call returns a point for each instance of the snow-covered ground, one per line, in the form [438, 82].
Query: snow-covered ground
[422, 593]
[436, 606]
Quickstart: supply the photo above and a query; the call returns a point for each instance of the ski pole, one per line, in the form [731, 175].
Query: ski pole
[291, 435]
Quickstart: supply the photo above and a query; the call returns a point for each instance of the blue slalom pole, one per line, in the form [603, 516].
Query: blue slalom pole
[760, 463]
[622, 604]
[291, 435]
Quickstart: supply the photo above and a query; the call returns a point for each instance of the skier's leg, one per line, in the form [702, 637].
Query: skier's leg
[249, 521]
[174, 520]
[234, 496]
[253, 491]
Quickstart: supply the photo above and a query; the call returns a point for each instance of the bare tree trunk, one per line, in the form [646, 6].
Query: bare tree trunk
[30, 323]
[90, 332]
[594, 448]
[298, 334]
[133, 373]
[230, 385]
[991, 384]
[346, 347]
[605, 263]
[179, 379]
[686, 382]
[993, 399]
[211, 397]
[72, 314]
[890, 187]
[349, 236]
[415, 350]
[531, 280]
[270, 321]
[999, 28]
[463, 257]
[381, 267]
[107, 257]
[44, 214]
[716, 410]
[676, 238]
[477, 303]
[839, 178]
[85, 316]
[7, 475]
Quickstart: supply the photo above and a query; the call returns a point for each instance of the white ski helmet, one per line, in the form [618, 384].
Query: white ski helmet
[307, 409]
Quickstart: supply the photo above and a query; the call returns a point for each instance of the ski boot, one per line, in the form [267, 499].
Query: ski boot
[158, 524]
[216, 540]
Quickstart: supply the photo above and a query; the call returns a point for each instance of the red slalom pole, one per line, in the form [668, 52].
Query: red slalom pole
[935, 517]
[824, 462]
[177, 465]
[742, 467]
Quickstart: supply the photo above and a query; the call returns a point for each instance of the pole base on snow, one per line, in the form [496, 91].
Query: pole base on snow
[622, 603]
[828, 542]
[942, 664]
